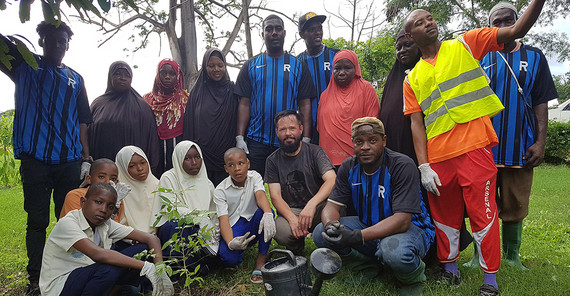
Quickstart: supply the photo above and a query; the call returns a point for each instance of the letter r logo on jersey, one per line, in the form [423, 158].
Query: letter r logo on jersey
[327, 66]
[381, 190]
[286, 67]
[523, 65]
[71, 82]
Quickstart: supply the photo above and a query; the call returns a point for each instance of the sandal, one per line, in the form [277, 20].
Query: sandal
[256, 276]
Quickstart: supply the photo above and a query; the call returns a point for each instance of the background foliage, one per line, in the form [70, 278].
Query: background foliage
[9, 174]
[557, 143]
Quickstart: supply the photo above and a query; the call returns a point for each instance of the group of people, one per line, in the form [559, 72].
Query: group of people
[379, 184]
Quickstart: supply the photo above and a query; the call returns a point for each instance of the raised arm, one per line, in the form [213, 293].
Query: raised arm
[522, 25]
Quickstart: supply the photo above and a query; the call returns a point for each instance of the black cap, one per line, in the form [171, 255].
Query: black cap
[312, 17]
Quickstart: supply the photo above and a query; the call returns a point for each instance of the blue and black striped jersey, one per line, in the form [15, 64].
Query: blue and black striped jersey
[320, 67]
[393, 188]
[273, 85]
[515, 125]
[51, 102]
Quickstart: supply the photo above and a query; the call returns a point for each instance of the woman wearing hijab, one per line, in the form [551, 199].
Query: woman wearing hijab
[168, 101]
[347, 98]
[134, 171]
[397, 126]
[121, 117]
[191, 190]
[211, 114]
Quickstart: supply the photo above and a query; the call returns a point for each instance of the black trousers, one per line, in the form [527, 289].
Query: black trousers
[39, 181]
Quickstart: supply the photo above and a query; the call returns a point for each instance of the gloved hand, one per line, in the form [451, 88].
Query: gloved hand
[215, 233]
[267, 225]
[345, 239]
[122, 191]
[306, 139]
[430, 179]
[85, 167]
[240, 143]
[332, 228]
[240, 242]
[161, 284]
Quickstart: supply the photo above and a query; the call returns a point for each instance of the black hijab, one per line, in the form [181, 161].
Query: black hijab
[397, 126]
[211, 114]
[121, 119]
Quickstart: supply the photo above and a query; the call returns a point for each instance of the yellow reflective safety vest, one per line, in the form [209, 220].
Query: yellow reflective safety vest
[455, 90]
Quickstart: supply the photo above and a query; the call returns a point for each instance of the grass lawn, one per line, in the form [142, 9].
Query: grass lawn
[545, 250]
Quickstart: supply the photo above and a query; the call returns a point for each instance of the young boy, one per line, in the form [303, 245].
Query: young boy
[243, 209]
[77, 259]
[102, 170]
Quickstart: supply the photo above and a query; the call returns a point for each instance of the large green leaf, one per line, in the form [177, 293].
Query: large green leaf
[2, 4]
[5, 58]
[25, 10]
[26, 53]
[51, 12]
[105, 5]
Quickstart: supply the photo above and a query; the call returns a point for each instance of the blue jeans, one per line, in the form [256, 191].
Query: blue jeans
[232, 258]
[98, 279]
[402, 252]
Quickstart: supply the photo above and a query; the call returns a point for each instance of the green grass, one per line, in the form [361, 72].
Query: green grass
[545, 250]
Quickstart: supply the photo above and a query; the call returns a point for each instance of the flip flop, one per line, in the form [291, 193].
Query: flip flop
[256, 276]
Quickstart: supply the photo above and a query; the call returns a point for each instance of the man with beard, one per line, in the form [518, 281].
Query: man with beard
[318, 57]
[268, 83]
[300, 178]
[387, 222]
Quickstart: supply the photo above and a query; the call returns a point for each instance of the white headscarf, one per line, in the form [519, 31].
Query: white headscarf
[197, 191]
[138, 204]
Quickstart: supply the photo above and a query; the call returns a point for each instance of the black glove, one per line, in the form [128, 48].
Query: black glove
[345, 239]
[331, 228]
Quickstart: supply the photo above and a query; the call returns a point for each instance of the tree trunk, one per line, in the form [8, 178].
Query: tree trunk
[247, 29]
[187, 43]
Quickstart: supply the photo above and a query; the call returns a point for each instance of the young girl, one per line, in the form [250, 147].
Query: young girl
[134, 170]
[188, 177]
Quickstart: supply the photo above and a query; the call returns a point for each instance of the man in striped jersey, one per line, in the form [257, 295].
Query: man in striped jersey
[386, 220]
[50, 134]
[267, 84]
[521, 79]
[318, 57]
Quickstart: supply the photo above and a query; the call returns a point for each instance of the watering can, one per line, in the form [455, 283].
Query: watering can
[289, 275]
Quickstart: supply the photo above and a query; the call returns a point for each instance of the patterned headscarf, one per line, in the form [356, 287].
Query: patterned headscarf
[168, 104]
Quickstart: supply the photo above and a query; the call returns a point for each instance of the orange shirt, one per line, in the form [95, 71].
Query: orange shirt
[464, 137]
[73, 202]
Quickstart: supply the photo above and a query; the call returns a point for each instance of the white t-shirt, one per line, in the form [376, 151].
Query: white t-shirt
[237, 201]
[61, 258]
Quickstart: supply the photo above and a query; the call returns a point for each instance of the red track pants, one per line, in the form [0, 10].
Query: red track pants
[468, 183]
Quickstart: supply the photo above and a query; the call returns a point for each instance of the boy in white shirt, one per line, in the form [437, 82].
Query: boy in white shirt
[77, 258]
[243, 209]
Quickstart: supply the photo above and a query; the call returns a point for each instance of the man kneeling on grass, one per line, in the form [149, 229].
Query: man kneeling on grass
[77, 258]
[387, 222]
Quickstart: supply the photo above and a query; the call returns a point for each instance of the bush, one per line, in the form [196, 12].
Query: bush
[9, 175]
[558, 143]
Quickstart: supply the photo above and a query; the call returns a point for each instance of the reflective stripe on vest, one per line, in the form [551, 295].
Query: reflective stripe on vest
[455, 90]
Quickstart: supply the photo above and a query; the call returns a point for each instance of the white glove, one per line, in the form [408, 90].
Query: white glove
[429, 178]
[267, 224]
[240, 242]
[240, 143]
[306, 139]
[122, 191]
[161, 284]
[85, 167]
[215, 233]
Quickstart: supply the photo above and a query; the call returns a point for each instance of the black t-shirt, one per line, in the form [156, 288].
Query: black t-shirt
[300, 176]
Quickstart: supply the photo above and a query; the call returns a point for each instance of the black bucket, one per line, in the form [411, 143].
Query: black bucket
[286, 276]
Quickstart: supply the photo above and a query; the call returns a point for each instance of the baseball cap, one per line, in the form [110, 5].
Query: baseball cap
[375, 123]
[310, 16]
